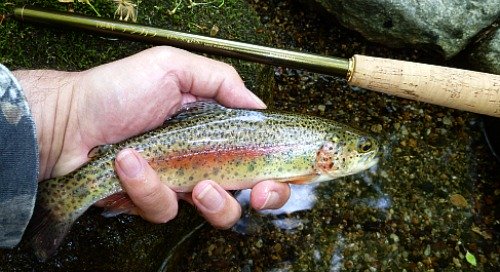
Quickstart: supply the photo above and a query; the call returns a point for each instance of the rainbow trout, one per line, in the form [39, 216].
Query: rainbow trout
[235, 147]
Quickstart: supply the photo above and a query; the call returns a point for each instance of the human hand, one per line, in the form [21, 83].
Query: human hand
[75, 112]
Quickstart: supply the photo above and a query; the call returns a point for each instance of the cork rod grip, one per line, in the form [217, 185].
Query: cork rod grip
[455, 88]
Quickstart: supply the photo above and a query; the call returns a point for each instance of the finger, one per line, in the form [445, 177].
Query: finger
[216, 205]
[269, 195]
[155, 202]
[207, 78]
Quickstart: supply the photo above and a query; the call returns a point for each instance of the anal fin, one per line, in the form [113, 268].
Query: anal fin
[117, 204]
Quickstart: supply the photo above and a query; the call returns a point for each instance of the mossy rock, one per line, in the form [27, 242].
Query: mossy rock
[124, 243]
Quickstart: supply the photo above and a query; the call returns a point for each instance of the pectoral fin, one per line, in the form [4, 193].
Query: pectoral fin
[302, 179]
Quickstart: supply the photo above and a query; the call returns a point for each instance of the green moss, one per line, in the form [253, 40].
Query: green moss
[34, 46]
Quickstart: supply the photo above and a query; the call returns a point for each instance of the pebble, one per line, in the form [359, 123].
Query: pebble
[412, 143]
[427, 250]
[459, 201]
[447, 121]
[214, 30]
[404, 131]
[394, 237]
[377, 128]
[259, 243]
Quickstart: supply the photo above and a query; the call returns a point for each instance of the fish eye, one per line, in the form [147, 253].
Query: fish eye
[364, 145]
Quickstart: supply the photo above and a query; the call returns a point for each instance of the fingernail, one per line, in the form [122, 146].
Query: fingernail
[210, 198]
[130, 164]
[257, 100]
[271, 199]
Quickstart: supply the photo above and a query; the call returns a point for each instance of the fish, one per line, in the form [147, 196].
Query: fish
[237, 148]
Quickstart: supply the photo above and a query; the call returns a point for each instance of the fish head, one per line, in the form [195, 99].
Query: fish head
[347, 154]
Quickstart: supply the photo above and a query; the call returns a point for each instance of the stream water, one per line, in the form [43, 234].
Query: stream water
[429, 205]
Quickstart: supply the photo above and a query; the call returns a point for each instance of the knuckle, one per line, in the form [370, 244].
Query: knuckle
[231, 70]
[160, 52]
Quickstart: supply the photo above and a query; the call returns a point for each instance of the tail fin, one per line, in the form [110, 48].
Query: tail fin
[60, 201]
[46, 231]
[56, 209]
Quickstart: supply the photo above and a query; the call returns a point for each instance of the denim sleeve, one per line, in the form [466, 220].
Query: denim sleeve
[18, 161]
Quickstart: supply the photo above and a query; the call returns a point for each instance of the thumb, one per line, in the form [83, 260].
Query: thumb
[154, 200]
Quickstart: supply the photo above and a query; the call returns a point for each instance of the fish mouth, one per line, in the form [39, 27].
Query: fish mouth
[364, 164]
[368, 163]
[373, 162]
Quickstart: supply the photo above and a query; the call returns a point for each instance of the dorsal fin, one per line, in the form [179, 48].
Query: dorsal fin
[198, 108]
[99, 150]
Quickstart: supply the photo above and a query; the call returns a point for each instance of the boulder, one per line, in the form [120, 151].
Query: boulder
[445, 25]
[486, 56]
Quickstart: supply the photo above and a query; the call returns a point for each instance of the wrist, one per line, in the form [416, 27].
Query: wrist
[50, 98]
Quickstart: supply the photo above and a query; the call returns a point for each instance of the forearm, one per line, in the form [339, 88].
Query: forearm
[49, 94]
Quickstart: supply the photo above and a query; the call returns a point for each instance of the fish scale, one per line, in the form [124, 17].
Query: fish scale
[237, 148]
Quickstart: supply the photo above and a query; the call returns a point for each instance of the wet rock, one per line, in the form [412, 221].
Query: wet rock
[446, 25]
[486, 56]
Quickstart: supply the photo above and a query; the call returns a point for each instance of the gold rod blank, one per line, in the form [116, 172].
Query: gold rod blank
[250, 52]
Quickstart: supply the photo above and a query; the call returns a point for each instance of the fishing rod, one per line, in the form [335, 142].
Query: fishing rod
[449, 87]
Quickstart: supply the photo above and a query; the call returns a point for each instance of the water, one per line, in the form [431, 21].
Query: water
[430, 200]
[398, 215]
